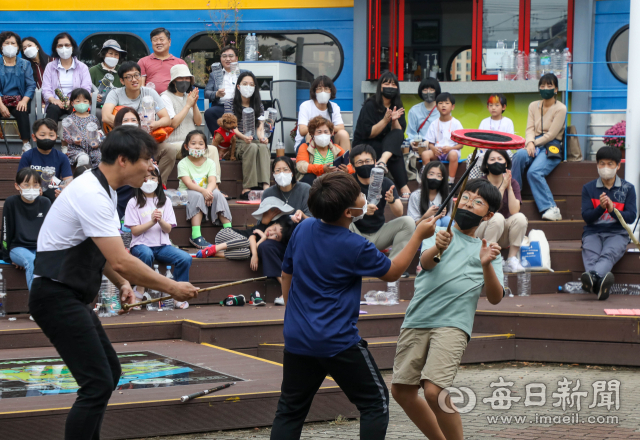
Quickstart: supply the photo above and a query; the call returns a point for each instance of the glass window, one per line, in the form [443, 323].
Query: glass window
[618, 51]
[548, 25]
[91, 46]
[313, 53]
[500, 23]
[460, 68]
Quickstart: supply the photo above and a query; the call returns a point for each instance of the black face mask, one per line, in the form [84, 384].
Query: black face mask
[467, 219]
[429, 96]
[183, 86]
[434, 183]
[497, 168]
[364, 171]
[45, 144]
[389, 92]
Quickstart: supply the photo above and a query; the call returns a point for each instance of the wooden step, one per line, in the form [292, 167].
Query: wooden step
[558, 230]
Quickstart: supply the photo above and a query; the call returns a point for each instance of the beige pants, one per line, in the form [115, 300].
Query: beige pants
[173, 150]
[256, 163]
[505, 232]
[396, 233]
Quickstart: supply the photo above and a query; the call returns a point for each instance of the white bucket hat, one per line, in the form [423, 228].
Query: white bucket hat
[273, 202]
[180, 70]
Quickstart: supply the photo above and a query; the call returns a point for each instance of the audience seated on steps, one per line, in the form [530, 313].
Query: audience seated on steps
[320, 155]
[434, 189]
[22, 217]
[508, 225]
[197, 176]
[604, 240]
[423, 114]
[80, 152]
[150, 217]
[371, 223]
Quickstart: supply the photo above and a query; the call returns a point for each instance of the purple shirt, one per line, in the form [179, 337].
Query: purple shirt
[154, 236]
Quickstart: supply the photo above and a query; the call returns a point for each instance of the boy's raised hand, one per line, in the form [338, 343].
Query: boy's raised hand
[427, 227]
[488, 252]
[443, 240]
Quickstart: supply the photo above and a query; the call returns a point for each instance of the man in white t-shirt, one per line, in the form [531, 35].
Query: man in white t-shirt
[79, 242]
[441, 146]
[321, 91]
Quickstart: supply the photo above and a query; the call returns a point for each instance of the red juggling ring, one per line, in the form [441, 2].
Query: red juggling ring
[488, 139]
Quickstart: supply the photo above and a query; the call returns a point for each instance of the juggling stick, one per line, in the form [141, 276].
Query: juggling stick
[184, 399]
[126, 307]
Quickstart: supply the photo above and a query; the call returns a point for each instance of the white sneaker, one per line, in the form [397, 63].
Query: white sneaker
[552, 214]
[279, 301]
[513, 265]
[26, 147]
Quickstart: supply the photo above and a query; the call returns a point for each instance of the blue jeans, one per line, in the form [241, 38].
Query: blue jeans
[539, 168]
[179, 260]
[24, 257]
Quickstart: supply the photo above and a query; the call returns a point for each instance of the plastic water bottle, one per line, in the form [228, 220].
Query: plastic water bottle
[533, 65]
[184, 198]
[375, 186]
[545, 63]
[168, 304]
[104, 310]
[392, 292]
[114, 296]
[3, 295]
[251, 48]
[520, 65]
[556, 61]
[524, 279]
[572, 287]
[566, 59]
[255, 195]
[218, 74]
[625, 289]
[505, 281]
[248, 122]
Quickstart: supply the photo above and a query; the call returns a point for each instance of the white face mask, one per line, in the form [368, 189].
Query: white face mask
[30, 194]
[31, 52]
[283, 179]
[9, 51]
[322, 140]
[323, 97]
[65, 52]
[247, 91]
[111, 61]
[359, 217]
[149, 186]
[607, 173]
[135, 124]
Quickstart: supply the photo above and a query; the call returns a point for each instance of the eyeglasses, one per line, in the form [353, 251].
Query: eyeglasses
[130, 77]
[227, 57]
[323, 89]
[158, 40]
[28, 186]
[477, 203]
[364, 162]
[281, 170]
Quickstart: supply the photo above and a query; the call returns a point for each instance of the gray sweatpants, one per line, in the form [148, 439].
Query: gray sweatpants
[196, 203]
[396, 233]
[600, 252]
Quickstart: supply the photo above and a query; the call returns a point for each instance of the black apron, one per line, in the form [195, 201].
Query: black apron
[79, 267]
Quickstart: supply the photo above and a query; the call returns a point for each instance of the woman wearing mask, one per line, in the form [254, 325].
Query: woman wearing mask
[544, 149]
[423, 114]
[252, 149]
[381, 124]
[425, 202]
[319, 156]
[508, 225]
[32, 51]
[17, 87]
[62, 75]
[321, 91]
[109, 57]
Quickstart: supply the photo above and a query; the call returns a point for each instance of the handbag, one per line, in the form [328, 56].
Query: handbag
[11, 100]
[536, 252]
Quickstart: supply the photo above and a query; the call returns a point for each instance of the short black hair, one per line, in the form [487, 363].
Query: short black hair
[359, 149]
[331, 194]
[287, 160]
[26, 174]
[79, 92]
[47, 122]
[325, 81]
[80, 170]
[446, 96]
[287, 226]
[487, 191]
[129, 142]
[429, 83]
[185, 145]
[160, 30]
[128, 66]
[54, 45]
[4, 36]
[548, 79]
[484, 169]
[611, 153]
[229, 47]
[498, 97]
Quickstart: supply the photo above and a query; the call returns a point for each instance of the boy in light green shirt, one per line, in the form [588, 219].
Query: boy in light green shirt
[439, 319]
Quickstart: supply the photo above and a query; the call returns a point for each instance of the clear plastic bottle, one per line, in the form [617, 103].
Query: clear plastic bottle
[251, 48]
[248, 122]
[114, 296]
[3, 295]
[545, 63]
[218, 74]
[375, 186]
[520, 65]
[566, 59]
[556, 61]
[104, 311]
[435, 67]
[255, 195]
[392, 292]
[533, 65]
[504, 66]
[507, 289]
[168, 304]
[572, 287]
[71, 129]
[93, 139]
[524, 279]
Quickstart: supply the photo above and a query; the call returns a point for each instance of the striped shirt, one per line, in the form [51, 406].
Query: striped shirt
[318, 159]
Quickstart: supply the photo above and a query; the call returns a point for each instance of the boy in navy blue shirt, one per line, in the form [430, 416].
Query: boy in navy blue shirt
[604, 240]
[321, 283]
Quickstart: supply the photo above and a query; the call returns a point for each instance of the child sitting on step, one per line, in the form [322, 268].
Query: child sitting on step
[150, 217]
[197, 176]
[80, 152]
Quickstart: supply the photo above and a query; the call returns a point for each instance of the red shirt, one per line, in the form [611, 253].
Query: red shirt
[158, 71]
[226, 137]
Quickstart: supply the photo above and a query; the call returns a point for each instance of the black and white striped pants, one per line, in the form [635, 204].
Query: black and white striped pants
[237, 245]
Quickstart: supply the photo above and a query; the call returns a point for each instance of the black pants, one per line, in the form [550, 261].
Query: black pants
[22, 120]
[211, 116]
[353, 369]
[54, 112]
[271, 254]
[76, 333]
[392, 143]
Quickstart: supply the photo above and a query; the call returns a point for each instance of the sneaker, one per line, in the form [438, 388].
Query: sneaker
[181, 304]
[199, 242]
[279, 301]
[552, 214]
[514, 266]
[257, 300]
[206, 253]
[588, 280]
[26, 147]
[605, 286]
